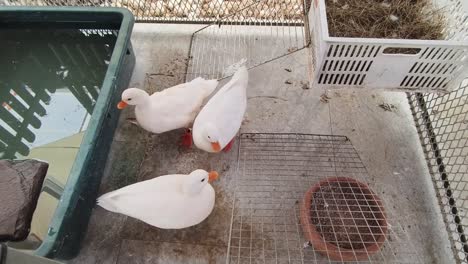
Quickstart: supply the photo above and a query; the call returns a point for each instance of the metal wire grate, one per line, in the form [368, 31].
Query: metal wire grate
[274, 173]
[184, 11]
[218, 49]
[442, 122]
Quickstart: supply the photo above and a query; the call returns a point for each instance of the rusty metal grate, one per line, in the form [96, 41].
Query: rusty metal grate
[442, 123]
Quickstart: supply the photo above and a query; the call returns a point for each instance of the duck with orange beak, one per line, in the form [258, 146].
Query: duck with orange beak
[173, 108]
[220, 119]
[170, 202]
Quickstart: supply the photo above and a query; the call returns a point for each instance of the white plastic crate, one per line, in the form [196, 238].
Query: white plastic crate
[439, 66]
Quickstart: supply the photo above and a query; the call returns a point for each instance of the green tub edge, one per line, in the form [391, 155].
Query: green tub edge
[70, 220]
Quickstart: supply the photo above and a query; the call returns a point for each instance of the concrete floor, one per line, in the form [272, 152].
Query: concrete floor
[386, 141]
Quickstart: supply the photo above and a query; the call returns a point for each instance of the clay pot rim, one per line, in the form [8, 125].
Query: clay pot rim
[331, 250]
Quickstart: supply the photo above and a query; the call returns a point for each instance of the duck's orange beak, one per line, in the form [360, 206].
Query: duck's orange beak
[212, 176]
[216, 147]
[121, 105]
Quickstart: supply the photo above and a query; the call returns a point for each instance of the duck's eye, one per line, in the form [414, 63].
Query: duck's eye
[129, 99]
[209, 137]
[203, 180]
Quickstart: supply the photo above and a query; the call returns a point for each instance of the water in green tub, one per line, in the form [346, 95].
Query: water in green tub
[49, 83]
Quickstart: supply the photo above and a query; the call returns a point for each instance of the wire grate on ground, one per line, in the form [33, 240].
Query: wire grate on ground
[274, 173]
[442, 123]
[218, 49]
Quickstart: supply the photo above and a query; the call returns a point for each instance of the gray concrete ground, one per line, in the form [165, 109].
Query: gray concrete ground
[385, 139]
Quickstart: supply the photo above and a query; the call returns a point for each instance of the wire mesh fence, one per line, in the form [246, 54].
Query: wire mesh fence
[442, 123]
[218, 49]
[188, 11]
[305, 199]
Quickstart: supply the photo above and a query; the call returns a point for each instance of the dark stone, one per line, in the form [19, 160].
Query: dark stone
[20, 186]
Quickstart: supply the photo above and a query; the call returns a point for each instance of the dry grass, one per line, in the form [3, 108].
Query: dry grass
[396, 19]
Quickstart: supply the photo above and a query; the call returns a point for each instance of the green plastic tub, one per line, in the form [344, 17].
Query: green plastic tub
[96, 95]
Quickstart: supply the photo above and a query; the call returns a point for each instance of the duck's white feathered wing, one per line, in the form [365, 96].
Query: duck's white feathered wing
[187, 97]
[160, 202]
[174, 107]
[227, 107]
[122, 200]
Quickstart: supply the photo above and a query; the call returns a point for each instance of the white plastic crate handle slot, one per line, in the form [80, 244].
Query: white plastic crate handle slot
[390, 69]
[401, 51]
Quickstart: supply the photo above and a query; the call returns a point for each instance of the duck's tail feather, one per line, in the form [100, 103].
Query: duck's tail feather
[241, 74]
[106, 202]
[240, 78]
[207, 85]
[211, 85]
[233, 68]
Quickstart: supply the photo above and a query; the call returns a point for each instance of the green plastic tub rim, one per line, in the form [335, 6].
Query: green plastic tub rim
[102, 104]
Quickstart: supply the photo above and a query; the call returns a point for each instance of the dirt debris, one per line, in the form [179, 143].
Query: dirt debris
[387, 107]
[324, 98]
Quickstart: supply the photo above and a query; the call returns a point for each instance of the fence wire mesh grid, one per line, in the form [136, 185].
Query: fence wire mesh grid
[218, 49]
[442, 123]
[187, 10]
[275, 171]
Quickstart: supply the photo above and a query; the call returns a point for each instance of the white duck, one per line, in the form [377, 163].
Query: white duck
[220, 119]
[173, 108]
[170, 202]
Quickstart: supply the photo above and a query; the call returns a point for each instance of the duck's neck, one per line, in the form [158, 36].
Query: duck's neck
[190, 190]
[144, 104]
